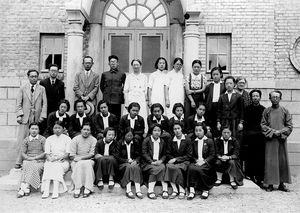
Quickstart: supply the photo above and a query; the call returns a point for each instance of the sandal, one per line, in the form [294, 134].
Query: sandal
[165, 195]
[218, 182]
[173, 195]
[139, 195]
[204, 195]
[181, 195]
[191, 196]
[233, 185]
[130, 195]
[152, 195]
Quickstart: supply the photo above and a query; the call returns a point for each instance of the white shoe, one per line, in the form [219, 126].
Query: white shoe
[54, 195]
[45, 195]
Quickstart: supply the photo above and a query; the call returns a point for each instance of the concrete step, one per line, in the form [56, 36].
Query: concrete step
[10, 182]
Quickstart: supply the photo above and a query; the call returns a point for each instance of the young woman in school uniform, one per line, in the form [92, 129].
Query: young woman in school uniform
[128, 156]
[201, 174]
[154, 157]
[179, 153]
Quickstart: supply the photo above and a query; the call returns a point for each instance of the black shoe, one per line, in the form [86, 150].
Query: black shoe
[18, 166]
[283, 188]
[130, 195]
[76, 195]
[233, 185]
[269, 188]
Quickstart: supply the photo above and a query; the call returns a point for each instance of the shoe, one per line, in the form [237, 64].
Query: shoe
[75, 195]
[283, 188]
[165, 195]
[54, 195]
[45, 195]
[218, 182]
[204, 195]
[173, 195]
[100, 185]
[139, 195]
[111, 184]
[191, 196]
[18, 166]
[269, 188]
[20, 193]
[233, 185]
[152, 195]
[181, 196]
[130, 195]
[85, 195]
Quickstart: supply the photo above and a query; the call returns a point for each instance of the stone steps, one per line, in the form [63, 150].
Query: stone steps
[10, 182]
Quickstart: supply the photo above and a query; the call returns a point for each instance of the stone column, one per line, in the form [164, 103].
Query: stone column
[74, 52]
[191, 40]
[176, 41]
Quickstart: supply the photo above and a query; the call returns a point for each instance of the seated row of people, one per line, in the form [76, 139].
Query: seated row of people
[194, 162]
[131, 121]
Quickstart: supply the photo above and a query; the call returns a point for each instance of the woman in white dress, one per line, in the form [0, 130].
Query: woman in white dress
[57, 149]
[175, 85]
[135, 88]
[157, 90]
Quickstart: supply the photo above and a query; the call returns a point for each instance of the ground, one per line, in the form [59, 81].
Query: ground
[263, 201]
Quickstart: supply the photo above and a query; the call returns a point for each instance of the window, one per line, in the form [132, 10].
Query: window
[218, 52]
[52, 51]
[136, 13]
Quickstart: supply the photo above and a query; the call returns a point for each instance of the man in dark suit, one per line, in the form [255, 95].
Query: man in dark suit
[55, 89]
[86, 84]
[212, 94]
[230, 108]
[111, 85]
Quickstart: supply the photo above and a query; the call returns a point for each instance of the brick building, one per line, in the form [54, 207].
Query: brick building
[258, 39]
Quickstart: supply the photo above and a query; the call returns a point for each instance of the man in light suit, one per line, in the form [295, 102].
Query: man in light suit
[31, 107]
[86, 83]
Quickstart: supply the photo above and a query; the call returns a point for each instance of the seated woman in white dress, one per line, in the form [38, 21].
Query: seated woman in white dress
[57, 149]
[33, 161]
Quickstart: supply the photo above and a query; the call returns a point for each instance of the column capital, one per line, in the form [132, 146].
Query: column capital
[75, 17]
[193, 18]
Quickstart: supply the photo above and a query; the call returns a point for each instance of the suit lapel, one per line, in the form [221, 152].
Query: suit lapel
[37, 92]
[196, 149]
[27, 91]
[151, 148]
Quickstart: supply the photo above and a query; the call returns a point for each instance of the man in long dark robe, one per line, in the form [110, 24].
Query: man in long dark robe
[254, 140]
[276, 126]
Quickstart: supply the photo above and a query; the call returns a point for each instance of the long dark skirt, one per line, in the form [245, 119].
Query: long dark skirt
[201, 177]
[130, 173]
[154, 172]
[175, 173]
[105, 166]
[254, 166]
[231, 167]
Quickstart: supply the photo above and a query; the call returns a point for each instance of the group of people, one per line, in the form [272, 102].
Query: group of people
[179, 131]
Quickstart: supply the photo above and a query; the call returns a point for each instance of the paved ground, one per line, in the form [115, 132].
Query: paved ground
[275, 201]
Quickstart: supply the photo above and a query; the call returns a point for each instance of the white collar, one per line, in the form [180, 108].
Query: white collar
[108, 114]
[174, 71]
[161, 118]
[129, 118]
[224, 140]
[131, 142]
[202, 139]
[201, 120]
[155, 141]
[63, 116]
[180, 119]
[33, 138]
[233, 91]
[177, 140]
[77, 116]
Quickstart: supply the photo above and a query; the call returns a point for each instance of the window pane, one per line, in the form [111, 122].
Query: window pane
[150, 52]
[123, 21]
[212, 61]
[120, 48]
[113, 11]
[120, 3]
[152, 3]
[222, 62]
[48, 61]
[149, 21]
[159, 11]
[130, 12]
[142, 12]
[162, 21]
[222, 45]
[109, 21]
[213, 45]
[57, 60]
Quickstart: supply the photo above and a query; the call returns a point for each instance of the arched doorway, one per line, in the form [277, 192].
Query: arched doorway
[136, 29]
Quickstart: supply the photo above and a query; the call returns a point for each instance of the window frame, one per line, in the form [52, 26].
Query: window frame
[226, 36]
[44, 36]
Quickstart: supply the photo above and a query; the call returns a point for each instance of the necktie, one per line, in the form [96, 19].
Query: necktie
[32, 90]
[52, 82]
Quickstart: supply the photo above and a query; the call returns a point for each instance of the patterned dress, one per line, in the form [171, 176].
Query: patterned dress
[32, 170]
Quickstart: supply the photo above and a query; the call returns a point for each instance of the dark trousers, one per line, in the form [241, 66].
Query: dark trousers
[115, 109]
